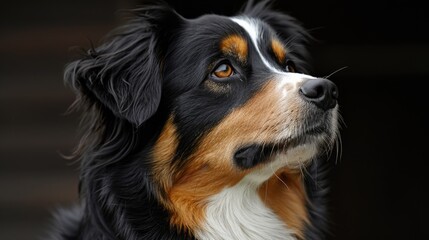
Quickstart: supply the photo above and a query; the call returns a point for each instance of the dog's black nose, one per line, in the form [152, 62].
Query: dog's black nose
[322, 92]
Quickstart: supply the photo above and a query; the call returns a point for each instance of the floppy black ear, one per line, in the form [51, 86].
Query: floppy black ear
[287, 28]
[124, 73]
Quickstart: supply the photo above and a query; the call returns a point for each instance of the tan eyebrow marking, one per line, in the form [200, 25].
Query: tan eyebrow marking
[235, 45]
[279, 50]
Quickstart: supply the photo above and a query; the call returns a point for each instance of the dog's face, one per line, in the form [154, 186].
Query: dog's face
[246, 112]
[232, 102]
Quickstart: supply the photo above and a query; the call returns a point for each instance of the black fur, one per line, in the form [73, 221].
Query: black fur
[146, 70]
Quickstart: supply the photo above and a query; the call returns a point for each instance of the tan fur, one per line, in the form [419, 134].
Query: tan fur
[217, 87]
[196, 184]
[163, 153]
[187, 189]
[235, 45]
[210, 168]
[279, 50]
[285, 194]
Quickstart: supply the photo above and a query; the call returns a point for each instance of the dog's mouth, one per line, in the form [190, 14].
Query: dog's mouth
[253, 154]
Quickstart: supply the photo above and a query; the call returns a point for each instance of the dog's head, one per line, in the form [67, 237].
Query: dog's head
[203, 105]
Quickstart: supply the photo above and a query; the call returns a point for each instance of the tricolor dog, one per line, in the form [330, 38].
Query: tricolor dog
[206, 128]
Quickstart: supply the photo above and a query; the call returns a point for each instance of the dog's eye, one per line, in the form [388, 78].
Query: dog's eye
[290, 66]
[224, 70]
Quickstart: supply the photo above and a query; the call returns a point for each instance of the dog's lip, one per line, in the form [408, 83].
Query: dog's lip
[305, 136]
[315, 130]
[252, 154]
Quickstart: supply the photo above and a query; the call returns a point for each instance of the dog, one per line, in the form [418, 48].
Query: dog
[205, 128]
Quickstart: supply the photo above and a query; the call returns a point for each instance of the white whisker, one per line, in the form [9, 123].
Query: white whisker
[277, 176]
[336, 71]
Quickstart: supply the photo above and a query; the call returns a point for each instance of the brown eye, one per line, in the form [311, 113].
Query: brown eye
[224, 70]
[290, 66]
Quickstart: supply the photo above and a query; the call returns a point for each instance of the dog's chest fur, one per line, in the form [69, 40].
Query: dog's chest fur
[196, 129]
[239, 213]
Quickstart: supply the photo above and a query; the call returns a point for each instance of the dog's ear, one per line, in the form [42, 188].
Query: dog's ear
[124, 73]
[287, 28]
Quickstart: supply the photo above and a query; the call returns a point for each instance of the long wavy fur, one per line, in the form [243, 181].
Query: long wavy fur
[118, 87]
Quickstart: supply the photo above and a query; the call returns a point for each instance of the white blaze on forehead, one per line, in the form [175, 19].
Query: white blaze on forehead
[253, 28]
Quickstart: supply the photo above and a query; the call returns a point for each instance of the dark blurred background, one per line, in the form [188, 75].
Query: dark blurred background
[378, 185]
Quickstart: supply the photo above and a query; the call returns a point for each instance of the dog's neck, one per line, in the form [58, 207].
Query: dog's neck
[239, 213]
[258, 207]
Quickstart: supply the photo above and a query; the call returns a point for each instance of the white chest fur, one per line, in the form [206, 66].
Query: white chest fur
[237, 213]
